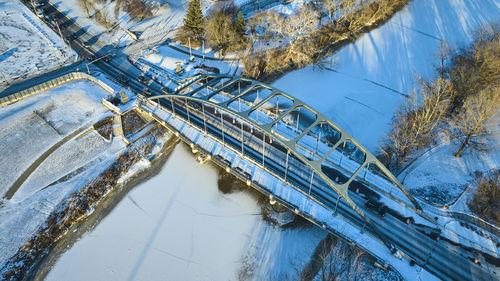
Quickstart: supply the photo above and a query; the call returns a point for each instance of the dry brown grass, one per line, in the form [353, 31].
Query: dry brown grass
[74, 209]
[309, 48]
[486, 200]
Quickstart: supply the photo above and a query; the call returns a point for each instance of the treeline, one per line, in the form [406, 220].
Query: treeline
[486, 200]
[462, 103]
[310, 34]
[273, 43]
[224, 29]
[137, 9]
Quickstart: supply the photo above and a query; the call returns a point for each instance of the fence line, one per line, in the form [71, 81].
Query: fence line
[51, 84]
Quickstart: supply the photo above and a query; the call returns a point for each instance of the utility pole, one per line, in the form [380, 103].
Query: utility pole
[222, 127]
[7, 82]
[60, 33]
[55, 54]
[190, 55]
[286, 163]
[242, 138]
[203, 50]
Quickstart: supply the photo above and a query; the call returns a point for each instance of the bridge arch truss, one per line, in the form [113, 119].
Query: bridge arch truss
[306, 134]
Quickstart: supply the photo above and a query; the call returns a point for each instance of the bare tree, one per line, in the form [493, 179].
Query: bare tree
[116, 10]
[477, 66]
[416, 121]
[139, 9]
[86, 5]
[486, 200]
[294, 29]
[443, 55]
[331, 8]
[343, 262]
[477, 115]
[220, 29]
[102, 14]
[261, 25]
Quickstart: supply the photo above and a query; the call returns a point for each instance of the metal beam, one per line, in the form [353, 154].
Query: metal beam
[340, 189]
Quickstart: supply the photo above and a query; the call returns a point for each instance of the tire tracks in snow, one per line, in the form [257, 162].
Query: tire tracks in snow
[368, 80]
[24, 176]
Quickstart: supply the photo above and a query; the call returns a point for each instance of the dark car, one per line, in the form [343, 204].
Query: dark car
[71, 37]
[146, 92]
[40, 4]
[379, 207]
[63, 26]
[242, 172]
[143, 79]
[105, 58]
[122, 79]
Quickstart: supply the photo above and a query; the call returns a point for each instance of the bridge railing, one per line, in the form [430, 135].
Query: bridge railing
[225, 91]
[51, 84]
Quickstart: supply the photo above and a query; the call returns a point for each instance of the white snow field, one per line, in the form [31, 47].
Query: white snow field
[67, 113]
[179, 226]
[167, 16]
[25, 136]
[441, 177]
[363, 91]
[27, 45]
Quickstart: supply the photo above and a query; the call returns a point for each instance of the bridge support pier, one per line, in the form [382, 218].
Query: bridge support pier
[202, 158]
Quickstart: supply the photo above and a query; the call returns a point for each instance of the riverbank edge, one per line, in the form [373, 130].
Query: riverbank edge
[335, 46]
[77, 207]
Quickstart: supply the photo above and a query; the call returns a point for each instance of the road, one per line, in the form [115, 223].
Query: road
[441, 257]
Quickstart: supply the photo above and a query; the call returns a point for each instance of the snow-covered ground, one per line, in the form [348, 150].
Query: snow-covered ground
[179, 226]
[275, 254]
[440, 177]
[79, 154]
[372, 75]
[25, 136]
[27, 44]
[167, 17]
[363, 91]
[162, 65]
[74, 10]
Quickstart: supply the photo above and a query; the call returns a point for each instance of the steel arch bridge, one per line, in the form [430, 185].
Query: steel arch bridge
[306, 134]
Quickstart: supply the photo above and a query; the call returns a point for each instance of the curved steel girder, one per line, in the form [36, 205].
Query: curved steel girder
[297, 103]
[341, 189]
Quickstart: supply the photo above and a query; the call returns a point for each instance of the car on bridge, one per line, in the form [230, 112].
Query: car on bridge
[145, 91]
[91, 58]
[222, 160]
[58, 16]
[40, 4]
[143, 79]
[242, 173]
[105, 58]
[71, 37]
[379, 207]
[122, 79]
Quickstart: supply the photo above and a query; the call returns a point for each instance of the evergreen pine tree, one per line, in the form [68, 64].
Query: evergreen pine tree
[194, 20]
[240, 25]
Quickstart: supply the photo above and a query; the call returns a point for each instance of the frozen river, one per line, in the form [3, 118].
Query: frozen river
[179, 226]
[371, 74]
